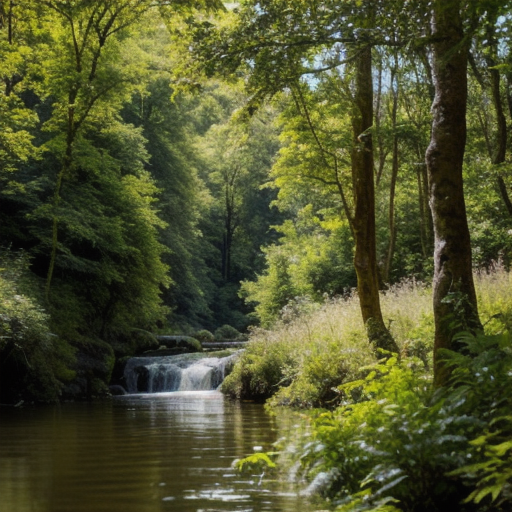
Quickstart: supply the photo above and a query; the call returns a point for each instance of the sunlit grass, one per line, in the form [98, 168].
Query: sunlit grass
[494, 292]
[315, 347]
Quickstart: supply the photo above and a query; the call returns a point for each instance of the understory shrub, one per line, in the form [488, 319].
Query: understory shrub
[310, 351]
[407, 308]
[385, 439]
[396, 444]
[226, 332]
[494, 291]
[316, 347]
[34, 363]
[204, 336]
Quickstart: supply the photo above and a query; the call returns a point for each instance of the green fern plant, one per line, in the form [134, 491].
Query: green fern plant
[255, 462]
[482, 377]
[396, 443]
[493, 472]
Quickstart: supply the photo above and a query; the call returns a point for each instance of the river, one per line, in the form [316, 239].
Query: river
[138, 453]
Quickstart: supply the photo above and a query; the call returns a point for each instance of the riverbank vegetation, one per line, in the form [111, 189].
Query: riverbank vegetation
[380, 436]
[395, 443]
[315, 347]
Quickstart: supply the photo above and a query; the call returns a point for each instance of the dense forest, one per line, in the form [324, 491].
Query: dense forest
[128, 205]
[306, 172]
[139, 194]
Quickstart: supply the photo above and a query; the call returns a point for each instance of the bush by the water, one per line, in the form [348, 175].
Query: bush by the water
[226, 332]
[396, 444]
[34, 363]
[315, 347]
[204, 336]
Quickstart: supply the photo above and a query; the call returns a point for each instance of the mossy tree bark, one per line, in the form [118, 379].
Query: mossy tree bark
[455, 303]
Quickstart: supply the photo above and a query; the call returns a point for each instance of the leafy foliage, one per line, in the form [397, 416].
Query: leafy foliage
[34, 363]
[255, 462]
[396, 442]
[310, 351]
[226, 332]
[154, 204]
[312, 259]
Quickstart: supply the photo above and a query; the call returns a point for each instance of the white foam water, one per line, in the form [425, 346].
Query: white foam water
[185, 372]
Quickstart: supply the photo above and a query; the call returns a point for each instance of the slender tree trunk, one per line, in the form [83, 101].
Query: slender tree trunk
[64, 171]
[394, 175]
[426, 228]
[7, 19]
[73, 119]
[382, 154]
[422, 54]
[230, 222]
[508, 78]
[365, 258]
[227, 243]
[499, 153]
[455, 304]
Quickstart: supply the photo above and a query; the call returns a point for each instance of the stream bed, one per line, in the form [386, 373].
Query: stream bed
[138, 453]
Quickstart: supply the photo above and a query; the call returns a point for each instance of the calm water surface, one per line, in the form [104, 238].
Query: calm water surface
[138, 453]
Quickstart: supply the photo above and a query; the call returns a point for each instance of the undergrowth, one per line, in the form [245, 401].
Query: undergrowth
[385, 440]
[315, 347]
[34, 363]
[395, 444]
[301, 360]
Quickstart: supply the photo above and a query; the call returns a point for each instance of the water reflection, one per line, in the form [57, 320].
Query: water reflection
[139, 453]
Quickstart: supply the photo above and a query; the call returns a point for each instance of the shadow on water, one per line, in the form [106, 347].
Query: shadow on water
[138, 453]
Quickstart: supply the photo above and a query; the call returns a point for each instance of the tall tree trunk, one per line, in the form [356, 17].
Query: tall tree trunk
[63, 173]
[74, 121]
[365, 258]
[455, 304]
[382, 153]
[426, 228]
[230, 219]
[394, 175]
[499, 153]
[6, 18]
[227, 240]
[426, 223]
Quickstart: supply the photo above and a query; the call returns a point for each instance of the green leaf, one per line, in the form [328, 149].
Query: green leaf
[501, 449]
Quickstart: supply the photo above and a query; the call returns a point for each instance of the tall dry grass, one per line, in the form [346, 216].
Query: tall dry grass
[494, 293]
[316, 347]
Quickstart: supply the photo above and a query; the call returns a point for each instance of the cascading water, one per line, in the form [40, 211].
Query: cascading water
[185, 372]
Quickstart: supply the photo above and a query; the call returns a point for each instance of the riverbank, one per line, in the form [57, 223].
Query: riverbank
[384, 439]
[315, 347]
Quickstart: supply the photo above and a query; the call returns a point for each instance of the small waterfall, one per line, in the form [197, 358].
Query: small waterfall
[185, 372]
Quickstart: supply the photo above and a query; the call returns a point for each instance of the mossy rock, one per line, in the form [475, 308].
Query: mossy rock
[227, 332]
